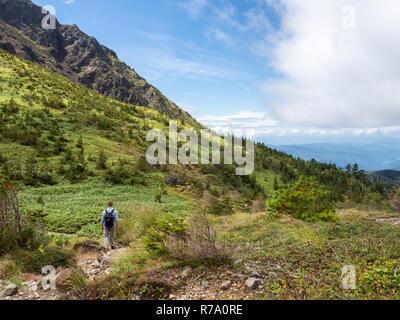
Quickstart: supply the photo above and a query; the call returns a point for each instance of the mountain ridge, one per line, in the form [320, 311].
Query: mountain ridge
[78, 56]
[386, 176]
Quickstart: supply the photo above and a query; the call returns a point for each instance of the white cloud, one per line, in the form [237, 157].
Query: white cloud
[242, 121]
[254, 19]
[261, 124]
[193, 7]
[221, 36]
[331, 76]
[69, 1]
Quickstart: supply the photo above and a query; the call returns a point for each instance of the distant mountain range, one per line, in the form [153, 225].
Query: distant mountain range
[370, 157]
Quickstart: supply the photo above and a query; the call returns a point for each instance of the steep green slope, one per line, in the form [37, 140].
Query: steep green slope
[55, 134]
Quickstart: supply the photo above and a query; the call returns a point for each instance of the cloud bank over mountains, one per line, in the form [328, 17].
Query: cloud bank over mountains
[335, 64]
[339, 68]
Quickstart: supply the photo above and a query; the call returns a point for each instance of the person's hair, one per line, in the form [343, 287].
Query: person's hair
[110, 203]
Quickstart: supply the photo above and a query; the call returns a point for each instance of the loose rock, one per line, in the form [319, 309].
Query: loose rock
[226, 285]
[274, 267]
[11, 290]
[255, 274]
[63, 277]
[253, 283]
[185, 273]
[104, 260]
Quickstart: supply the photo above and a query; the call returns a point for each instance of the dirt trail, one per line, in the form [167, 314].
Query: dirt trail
[92, 261]
[392, 221]
[243, 281]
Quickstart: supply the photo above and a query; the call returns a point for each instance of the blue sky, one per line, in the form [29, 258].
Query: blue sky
[185, 49]
[306, 69]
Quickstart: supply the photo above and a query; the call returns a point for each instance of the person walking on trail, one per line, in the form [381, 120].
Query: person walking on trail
[109, 224]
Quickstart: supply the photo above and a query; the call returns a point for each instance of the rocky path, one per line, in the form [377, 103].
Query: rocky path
[392, 221]
[221, 283]
[244, 280]
[92, 262]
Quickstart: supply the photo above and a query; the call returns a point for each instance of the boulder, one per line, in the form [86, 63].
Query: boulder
[253, 283]
[119, 252]
[173, 181]
[104, 260]
[255, 274]
[11, 290]
[63, 277]
[226, 285]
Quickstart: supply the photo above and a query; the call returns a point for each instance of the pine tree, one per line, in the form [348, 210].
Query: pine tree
[101, 161]
[30, 174]
[276, 184]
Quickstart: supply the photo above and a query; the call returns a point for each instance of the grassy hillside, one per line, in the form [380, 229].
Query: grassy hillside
[56, 133]
[311, 255]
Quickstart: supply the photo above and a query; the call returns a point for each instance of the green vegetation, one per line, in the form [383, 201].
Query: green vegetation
[312, 255]
[305, 200]
[67, 150]
[77, 208]
[351, 186]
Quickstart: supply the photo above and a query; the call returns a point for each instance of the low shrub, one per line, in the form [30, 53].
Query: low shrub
[10, 270]
[198, 243]
[11, 238]
[34, 261]
[164, 225]
[217, 206]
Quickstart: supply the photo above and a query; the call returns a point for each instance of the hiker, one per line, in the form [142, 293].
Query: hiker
[109, 224]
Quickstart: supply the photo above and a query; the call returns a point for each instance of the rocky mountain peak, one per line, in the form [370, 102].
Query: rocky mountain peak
[78, 56]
